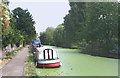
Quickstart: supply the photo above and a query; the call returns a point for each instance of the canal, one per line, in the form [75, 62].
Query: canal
[76, 64]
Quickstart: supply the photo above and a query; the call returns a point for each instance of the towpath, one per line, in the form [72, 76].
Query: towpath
[15, 67]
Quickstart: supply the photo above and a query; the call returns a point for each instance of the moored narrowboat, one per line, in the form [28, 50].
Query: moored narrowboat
[46, 58]
[35, 44]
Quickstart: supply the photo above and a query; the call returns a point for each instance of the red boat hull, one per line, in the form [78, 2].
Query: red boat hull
[49, 65]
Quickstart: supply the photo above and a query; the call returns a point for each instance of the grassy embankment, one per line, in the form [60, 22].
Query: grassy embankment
[30, 69]
[10, 55]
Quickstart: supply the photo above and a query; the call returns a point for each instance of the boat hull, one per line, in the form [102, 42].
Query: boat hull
[50, 65]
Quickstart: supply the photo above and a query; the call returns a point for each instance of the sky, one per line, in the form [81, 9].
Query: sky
[46, 13]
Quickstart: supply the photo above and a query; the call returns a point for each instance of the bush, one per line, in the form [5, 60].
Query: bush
[7, 58]
[8, 54]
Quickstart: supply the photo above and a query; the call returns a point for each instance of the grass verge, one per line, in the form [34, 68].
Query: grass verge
[30, 69]
[9, 56]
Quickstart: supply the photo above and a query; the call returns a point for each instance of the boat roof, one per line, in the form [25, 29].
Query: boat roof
[35, 42]
[43, 48]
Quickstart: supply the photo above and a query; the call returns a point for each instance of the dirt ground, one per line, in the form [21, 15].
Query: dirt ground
[3, 62]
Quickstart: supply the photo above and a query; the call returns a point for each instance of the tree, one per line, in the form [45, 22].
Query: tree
[90, 26]
[74, 22]
[58, 35]
[25, 23]
[43, 37]
[5, 23]
[47, 36]
[101, 27]
[93, 25]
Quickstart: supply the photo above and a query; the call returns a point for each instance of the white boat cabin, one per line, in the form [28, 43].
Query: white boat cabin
[43, 53]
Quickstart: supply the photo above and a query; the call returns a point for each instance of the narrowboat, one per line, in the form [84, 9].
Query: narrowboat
[46, 58]
[35, 44]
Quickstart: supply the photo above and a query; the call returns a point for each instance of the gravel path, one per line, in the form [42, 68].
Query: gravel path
[15, 67]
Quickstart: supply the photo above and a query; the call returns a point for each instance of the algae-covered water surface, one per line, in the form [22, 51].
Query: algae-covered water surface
[76, 64]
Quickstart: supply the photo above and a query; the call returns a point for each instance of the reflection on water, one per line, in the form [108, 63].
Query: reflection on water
[76, 64]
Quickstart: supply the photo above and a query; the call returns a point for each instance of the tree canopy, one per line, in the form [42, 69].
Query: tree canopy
[21, 28]
[47, 36]
[25, 23]
[93, 27]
